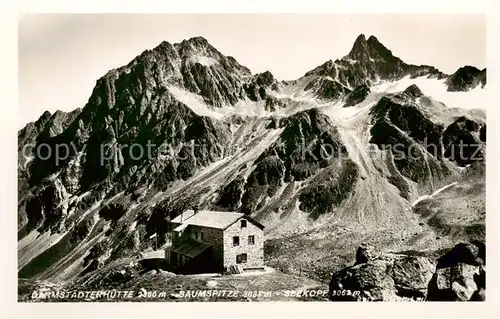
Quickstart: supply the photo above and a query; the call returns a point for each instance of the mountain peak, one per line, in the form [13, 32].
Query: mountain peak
[413, 91]
[466, 78]
[363, 49]
[360, 39]
[373, 39]
[359, 47]
[45, 114]
[379, 48]
[196, 46]
[197, 40]
[44, 117]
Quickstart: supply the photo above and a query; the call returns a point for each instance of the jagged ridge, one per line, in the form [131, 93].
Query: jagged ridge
[84, 205]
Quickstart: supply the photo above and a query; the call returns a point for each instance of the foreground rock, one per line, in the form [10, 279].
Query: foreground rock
[459, 275]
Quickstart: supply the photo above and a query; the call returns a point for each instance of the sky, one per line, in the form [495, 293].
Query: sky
[61, 56]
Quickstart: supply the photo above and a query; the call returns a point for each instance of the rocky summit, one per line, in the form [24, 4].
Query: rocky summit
[362, 149]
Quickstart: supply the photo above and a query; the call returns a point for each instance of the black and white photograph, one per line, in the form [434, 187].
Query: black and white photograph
[233, 157]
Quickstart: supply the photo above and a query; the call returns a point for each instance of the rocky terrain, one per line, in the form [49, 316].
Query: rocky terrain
[366, 148]
[148, 285]
[457, 275]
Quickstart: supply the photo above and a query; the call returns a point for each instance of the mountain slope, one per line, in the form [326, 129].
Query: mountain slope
[316, 160]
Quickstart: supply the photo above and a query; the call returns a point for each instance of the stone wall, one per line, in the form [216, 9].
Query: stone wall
[255, 252]
[212, 236]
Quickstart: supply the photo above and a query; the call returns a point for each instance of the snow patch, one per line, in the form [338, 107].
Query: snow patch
[203, 60]
[424, 197]
[476, 98]
[350, 61]
[133, 226]
[197, 105]
[194, 102]
[250, 108]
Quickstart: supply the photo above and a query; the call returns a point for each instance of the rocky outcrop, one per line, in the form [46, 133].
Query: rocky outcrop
[43, 211]
[408, 118]
[308, 144]
[257, 88]
[413, 91]
[458, 275]
[230, 195]
[462, 141]
[420, 147]
[357, 96]
[327, 88]
[466, 78]
[383, 277]
[368, 61]
[46, 127]
[329, 188]
[414, 141]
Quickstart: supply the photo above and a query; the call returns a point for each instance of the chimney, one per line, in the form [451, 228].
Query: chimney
[196, 209]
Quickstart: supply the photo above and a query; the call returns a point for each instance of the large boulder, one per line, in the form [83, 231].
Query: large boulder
[364, 253]
[458, 275]
[382, 277]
